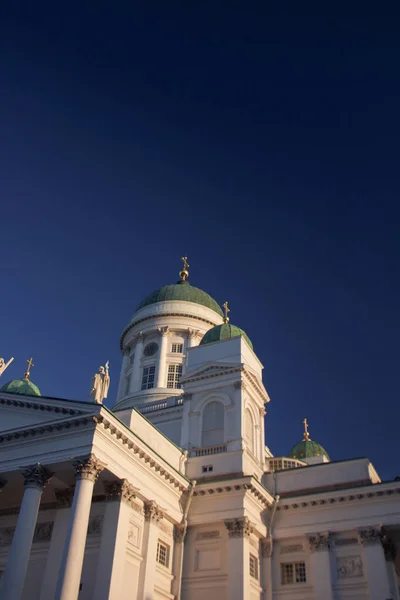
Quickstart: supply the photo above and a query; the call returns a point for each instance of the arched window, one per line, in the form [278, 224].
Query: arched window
[249, 430]
[213, 424]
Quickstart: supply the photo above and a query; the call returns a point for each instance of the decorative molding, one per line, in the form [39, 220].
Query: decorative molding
[370, 535]
[120, 490]
[319, 542]
[164, 314]
[47, 428]
[239, 527]
[346, 542]
[88, 467]
[38, 407]
[140, 338]
[152, 512]
[134, 534]
[43, 532]
[349, 566]
[267, 547]
[36, 476]
[179, 533]
[64, 497]
[327, 500]
[220, 488]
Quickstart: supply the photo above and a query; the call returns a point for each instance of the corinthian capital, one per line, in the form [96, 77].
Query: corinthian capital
[319, 542]
[36, 476]
[163, 331]
[239, 527]
[88, 467]
[193, 333]
[119, 490]
[152, 512]
[370, 535]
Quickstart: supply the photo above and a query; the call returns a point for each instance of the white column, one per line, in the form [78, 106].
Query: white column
[152, 514]
[375, 564]
[161, 373]
[179, 536]
[321, 565]
[111, 563]
[239, 530]
[36, 477]
[87, 471]
[192, 337]
[266, 568]
[136, 376]
[54, 555]
[122, 377]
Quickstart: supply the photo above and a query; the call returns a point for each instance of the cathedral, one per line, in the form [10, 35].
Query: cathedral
[173, 493]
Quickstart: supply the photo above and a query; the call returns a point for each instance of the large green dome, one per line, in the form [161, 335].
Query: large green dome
[181, 291]
[23, 387]
[225, 331]
[307, 449]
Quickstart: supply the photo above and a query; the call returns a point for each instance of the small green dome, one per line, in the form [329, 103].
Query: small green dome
[181, 291]
[225, 331]
[307, 449]
[21, 386]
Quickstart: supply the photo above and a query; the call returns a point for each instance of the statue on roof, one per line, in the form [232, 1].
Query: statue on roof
[4, 365]
[101, 383]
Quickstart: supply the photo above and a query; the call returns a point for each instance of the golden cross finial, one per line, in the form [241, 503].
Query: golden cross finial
[227, 310]
[30, 365]
[306, 434]
[184, 274]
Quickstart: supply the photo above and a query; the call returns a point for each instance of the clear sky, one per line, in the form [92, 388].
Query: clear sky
[259, 139]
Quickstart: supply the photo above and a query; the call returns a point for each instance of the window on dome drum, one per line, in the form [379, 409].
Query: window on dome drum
[178, 348]
[213, 424]
[162, 554]
[174, 376]
[148, 377]
[253, 566]
[293, 572]
[151, 349]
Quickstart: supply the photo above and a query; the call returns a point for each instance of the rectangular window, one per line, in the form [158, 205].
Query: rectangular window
[207, 468]
[162, 554]
[148, 377]
[253, 566]
[293, 573]
[174, 375]
[178, 348]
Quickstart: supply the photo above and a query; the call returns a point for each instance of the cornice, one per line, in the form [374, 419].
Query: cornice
[211, 371]
[328, 500]
[150, 461]
[8, 401]
[225, 487]
[163, 314]
[46, 427]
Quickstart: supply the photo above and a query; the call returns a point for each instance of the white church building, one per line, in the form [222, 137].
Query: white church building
[173, 493]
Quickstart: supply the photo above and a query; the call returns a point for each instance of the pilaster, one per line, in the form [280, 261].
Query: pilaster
[136, 379]
[374, 561]
[122, 377]
[111, 563]
[239, 531]
[266, 567]
[153, 515]
[321, 565]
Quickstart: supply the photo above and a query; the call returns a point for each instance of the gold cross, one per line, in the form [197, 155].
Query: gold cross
[185, 263]
[227, 310]
[30, 365]
[306, 434]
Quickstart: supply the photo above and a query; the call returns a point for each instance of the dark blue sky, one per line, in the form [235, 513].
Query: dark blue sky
[263, 142]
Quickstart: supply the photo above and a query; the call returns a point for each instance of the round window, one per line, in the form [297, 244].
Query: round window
[150, 349]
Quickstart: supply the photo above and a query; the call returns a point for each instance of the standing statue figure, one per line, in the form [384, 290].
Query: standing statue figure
[4, 365]
[101, 383]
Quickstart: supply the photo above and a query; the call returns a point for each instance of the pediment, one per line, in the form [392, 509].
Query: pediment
[21, 411]
[212, 370]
